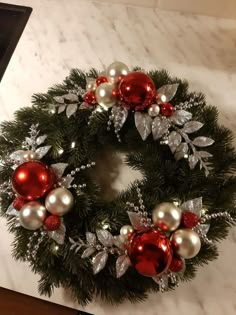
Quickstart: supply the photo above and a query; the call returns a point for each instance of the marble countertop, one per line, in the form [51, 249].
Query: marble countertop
[76, 33]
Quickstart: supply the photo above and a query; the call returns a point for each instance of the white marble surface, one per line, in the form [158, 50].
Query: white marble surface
[75, 33]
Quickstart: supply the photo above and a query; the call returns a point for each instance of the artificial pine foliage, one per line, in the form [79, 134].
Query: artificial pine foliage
[165, 179]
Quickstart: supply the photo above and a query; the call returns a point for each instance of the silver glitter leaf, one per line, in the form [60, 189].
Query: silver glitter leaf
[58, 235]
[120, 115]
[204, 154]
[91, 238]
[17, 156]
[167, 92]
[122, 264]
[204, 228]
[138, 221]
[40, 140]
[61, 109]
[192, 161]
[192, 126]
[159, 127]
[174, 141]
[203, 141]
[59, 169]
[71, 97]
[99, 262]
[11, 211]
[118, 242]
[180, 117]
[162, 281]
[143, 123]
[71, 109]
[66, 181]
[88, 252]
[17, 222]
[181, 151]
[105, 237]
[85, 105]
[193, 205]
[29, 141]
[42, 151]
[59, 99]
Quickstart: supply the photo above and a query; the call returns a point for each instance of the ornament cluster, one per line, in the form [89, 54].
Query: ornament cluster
[41, 199]
[156, 247]
[122, 92]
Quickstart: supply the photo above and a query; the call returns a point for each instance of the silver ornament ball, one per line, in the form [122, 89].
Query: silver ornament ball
[186, 243]
[59, 201]
[116, 70]
[30, 155]
[166, 216]
[154, 110]
[32, 215]
[104, 95]
[126, 231]
[91, 84]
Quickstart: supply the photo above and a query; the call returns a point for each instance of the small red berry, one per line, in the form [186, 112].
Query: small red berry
[19, 202]
[101, 79]
[189, 219]
[177, 264]
[52, 223]
[90, 98]
[167, 109]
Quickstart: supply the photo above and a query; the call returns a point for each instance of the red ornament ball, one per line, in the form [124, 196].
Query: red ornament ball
[18, 203]
[137, 90]
[52, 223]
[167, 109]
[150, 253]
[177, 264]
[31, 180]
[189, 219]
[90, 98]
[101, 79]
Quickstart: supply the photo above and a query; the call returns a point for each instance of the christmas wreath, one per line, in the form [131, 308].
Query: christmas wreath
[150, 236]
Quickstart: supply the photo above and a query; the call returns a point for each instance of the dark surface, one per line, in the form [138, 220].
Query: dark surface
[12, 23]
[13, 303]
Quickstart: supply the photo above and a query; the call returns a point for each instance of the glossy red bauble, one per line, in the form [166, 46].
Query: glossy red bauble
[101, 79]
[52, 223]
[31, 180]
[167, 109]
[137, 90]
[150, 253]
[18, 203]
[189, 219]
[90, 98]
[177, 264]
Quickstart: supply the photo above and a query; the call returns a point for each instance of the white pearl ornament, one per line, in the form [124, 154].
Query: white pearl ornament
[167, 216]
[116, 70]
[32, 215]
[59, 201]
[154, 110]
[126, 231]
[104, 95]
[186, 243]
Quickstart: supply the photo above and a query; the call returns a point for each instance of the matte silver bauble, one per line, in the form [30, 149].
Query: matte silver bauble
[126, 231]
[186, 243]
[30, 155]
[116, 70]
[166, 216]
[153, 110]
[105, 96]
[59, 201]
[32, 215]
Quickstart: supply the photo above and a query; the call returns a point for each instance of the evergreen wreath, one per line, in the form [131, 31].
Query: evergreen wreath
[150, 236]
